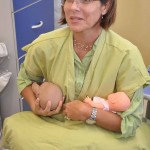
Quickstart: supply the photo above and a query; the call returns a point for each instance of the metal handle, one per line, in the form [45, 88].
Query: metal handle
[37, 26]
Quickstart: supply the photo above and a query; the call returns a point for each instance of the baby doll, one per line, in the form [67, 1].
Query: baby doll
[47, 92]
[116, 102]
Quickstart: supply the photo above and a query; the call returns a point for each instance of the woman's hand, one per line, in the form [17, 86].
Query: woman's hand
[47, 111]
[77, 110]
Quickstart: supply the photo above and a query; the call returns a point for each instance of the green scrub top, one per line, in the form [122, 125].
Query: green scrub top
[113, 65]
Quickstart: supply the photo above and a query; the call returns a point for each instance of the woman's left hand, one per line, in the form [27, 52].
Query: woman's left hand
[77, 110]
[47, 111]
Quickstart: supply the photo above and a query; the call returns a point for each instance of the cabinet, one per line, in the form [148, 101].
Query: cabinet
[21, 22]
[17, 5]
[30, 21]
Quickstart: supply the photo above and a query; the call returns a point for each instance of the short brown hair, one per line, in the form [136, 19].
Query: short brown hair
[108, 18]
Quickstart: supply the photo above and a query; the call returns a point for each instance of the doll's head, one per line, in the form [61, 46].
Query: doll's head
[118, 101]
[47, 92]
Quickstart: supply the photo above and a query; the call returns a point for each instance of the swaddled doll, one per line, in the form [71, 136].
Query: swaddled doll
[47, 91]
[116, 102]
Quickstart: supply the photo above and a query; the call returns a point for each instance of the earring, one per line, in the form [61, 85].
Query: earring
[102, 17]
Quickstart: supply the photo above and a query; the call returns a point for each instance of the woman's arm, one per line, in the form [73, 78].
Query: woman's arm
[29, 96]
[77, 110]
[126, 122]
[108, 120]
[24, 85]
[132, 118]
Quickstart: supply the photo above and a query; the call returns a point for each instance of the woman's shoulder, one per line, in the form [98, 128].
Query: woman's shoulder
[119, 42]
[57, 33]
[119, 45]
[55, 36]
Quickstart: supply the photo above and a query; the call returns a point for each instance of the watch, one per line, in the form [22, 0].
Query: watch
[92, 119]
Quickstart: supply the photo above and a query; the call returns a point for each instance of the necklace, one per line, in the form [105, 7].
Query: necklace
[82, 46]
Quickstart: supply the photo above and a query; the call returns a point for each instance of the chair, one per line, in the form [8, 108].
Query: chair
[146, 114]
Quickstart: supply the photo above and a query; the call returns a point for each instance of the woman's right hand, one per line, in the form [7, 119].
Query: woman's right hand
[47, 111]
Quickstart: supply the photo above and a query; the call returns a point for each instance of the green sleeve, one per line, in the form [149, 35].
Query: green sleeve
[24, 79]
[131, 119]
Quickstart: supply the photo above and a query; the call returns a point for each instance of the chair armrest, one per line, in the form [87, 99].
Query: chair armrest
[147, 97]
[146, 114]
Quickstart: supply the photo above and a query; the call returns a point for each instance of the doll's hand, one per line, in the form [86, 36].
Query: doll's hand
[88, 101]
[96, 102]
[46, 112]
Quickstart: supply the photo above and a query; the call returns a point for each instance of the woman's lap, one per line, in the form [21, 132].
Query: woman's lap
[26, 131]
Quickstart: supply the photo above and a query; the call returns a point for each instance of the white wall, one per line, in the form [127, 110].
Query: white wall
[133, 23]
[9, 98]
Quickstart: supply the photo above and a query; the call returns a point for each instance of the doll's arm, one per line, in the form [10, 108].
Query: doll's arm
[97, 102]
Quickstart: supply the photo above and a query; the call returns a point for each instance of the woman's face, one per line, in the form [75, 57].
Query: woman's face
[82, 17]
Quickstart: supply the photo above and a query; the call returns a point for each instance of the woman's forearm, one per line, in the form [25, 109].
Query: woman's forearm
[78, 110]
[108, 120]
[29, 96]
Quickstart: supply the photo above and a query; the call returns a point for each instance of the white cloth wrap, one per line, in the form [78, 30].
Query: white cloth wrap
[101, 101]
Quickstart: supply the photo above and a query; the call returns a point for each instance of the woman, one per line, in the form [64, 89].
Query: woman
[86, 58]
[71, 52]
